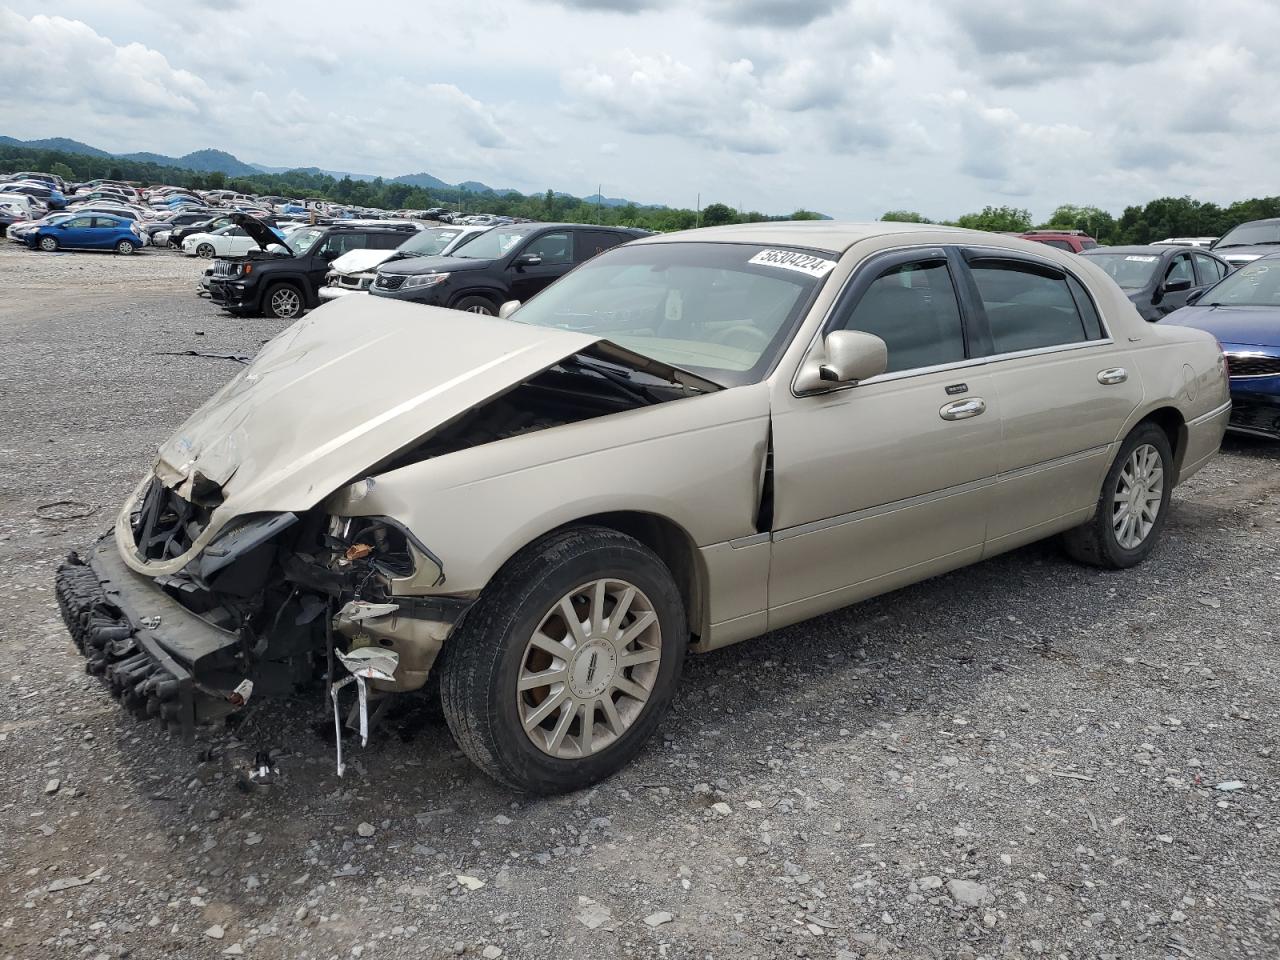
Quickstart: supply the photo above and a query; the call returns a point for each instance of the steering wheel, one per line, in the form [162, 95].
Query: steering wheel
[743, 336]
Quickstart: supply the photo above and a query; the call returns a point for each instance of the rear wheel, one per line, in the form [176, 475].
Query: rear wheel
[567, 663]
[480, 305]
[48, 244]
[283, 301]
[125, 247]
[205, 250]
[1133, 504]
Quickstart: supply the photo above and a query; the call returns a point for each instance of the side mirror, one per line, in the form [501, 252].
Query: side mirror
[1177, 286]
[508, 308]
[528, 260]
[846, 357]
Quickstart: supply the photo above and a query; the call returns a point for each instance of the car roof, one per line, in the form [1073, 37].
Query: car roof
[1152, 249]
[836, 236]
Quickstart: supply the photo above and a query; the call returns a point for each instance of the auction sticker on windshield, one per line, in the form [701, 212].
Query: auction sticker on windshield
[790, 260]
[1143, 259]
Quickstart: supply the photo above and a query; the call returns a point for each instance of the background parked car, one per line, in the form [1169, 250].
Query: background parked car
[1249, 241]
[1074, 240]
[171, 222]
[505, 263]
[98, 231]
[284, 284]
[228, 241]
[1159, 279]
[1243, 312]
[215, 222]
[1187, 241]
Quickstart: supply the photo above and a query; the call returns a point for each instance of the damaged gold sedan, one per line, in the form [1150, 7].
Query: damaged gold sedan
[688, 441]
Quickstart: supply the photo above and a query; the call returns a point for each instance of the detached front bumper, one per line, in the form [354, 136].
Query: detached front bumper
[144, 644]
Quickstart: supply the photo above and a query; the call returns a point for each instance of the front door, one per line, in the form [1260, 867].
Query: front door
[553, 253]
[1065, 389]
[885, 482]
[76, 232]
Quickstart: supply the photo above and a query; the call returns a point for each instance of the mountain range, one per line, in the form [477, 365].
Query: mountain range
[219, 161]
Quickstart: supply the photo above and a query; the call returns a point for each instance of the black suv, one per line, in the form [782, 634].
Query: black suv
[284, 277]
[510, 262]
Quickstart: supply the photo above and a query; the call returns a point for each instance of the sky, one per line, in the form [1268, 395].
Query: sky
[848, 107]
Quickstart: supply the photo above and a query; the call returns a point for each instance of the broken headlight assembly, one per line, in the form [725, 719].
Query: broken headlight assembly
[385, 548]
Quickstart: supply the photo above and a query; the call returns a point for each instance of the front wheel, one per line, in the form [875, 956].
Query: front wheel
[1133, 504]
[205, 250]
[125, 247]
[48, 244]
[283, 301]
[568, 661]
[479, 305]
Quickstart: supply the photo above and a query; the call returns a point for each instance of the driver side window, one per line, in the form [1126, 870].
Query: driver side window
[912, 307]
[551, 247]
[1180, 269]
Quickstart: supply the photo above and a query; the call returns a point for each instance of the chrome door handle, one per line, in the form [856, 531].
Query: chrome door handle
[963, 409]
[1113, 375]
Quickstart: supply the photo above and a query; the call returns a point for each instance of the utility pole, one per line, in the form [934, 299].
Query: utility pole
[697, 219]
[599, 200]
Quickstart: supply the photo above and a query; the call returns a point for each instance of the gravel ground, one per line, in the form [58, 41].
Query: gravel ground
[1025, 758]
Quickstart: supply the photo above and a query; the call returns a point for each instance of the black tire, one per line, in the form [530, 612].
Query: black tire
[483, 659]
[482, 305]
[1096, 542]
[47, 244]
[125, 247]
[283, 301]
[205, 250]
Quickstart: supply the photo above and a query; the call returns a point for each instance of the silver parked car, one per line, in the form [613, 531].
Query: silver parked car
[690, 440]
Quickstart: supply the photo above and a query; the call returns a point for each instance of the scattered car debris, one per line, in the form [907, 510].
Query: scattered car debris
[209, 354]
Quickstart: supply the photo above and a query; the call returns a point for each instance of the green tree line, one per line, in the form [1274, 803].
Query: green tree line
[1156, 220]
[383, 194]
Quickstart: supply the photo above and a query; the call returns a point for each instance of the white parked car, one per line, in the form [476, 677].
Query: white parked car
[228, 241]
[1186, 241]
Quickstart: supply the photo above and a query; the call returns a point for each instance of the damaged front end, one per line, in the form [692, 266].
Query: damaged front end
[258, 612]
[257, 558]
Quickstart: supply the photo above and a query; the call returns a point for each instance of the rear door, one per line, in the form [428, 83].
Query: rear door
[885, 482]
[1065, 389]
[105, 232]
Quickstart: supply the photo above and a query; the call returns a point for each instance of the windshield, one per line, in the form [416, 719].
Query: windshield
[428, 243]
[1256, 284]
[302, 240]
[724, 311]
[1131, 271]
[1251, 234]
[491, 245]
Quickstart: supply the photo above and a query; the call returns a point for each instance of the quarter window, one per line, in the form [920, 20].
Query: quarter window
[1028, 307]
[912, 307]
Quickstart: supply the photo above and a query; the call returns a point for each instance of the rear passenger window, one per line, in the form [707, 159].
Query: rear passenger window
[1180, 269]
[912, 308]
[592, 242]
[1027, 307]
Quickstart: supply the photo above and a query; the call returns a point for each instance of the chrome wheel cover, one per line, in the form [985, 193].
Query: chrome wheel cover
[589, 669]
[48, 243]
[477, 308]
[285, 303]
[1138, 496]
[204, 250]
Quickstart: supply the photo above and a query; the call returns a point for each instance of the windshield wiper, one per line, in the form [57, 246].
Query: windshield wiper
[620, 379]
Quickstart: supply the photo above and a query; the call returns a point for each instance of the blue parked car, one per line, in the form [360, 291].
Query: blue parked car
[1243, 312]
[90, 231]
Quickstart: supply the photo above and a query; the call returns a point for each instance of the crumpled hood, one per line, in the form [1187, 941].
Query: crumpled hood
[334, 394]
[1249, 326]
[360, 261]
